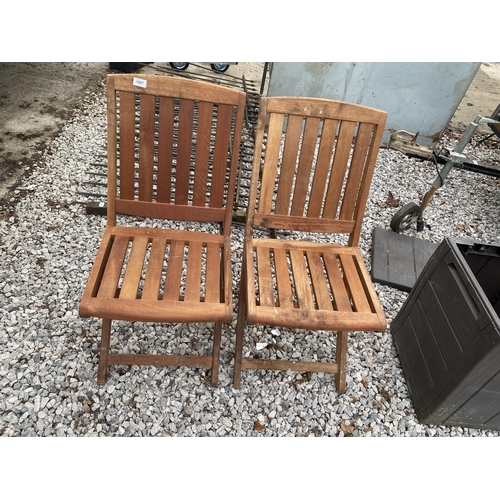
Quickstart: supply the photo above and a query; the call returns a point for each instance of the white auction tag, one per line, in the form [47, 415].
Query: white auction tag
[139, 82]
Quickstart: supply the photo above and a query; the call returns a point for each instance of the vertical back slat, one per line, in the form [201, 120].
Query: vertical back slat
[305, 166]
[221, 150]
[274, 133]
[356, 170]
[322, 168]
[183, 169]
[288, 163]
[146, 147]
[127, 145]
[202, 153]
[165, 150]
[342, 151]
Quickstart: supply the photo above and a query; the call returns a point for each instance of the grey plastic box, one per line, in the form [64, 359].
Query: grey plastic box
[447, 335]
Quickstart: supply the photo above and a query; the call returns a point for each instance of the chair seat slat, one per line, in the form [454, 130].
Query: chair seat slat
[113, 269]
[193, 273]
[340, 296]
[354, 284]
[318, 278]
[154, 271]
[301, 280]
[285, 295]
[212, 284]
[264, 276]
[134, 268]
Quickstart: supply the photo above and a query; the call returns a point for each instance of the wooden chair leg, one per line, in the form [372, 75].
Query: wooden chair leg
[216, 353]
[341, 356]
[240, 328]
[103, 356]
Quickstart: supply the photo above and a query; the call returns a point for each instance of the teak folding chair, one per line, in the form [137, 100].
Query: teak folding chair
[313, 175]
[173, 152]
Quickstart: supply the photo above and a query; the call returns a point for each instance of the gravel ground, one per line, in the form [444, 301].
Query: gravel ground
[49, 356]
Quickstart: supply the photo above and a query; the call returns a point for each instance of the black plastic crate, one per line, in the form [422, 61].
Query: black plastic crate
[447, 335]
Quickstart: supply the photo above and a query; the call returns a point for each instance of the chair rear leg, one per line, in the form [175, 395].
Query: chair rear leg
[103, 356]
[216, 353]
[341, 356]
[240, 328]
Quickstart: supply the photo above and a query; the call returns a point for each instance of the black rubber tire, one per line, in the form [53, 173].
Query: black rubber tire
[405, 217]
[181, 66]
[220, 67]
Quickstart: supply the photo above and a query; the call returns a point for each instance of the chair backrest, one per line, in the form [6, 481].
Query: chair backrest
[317, 165]
[173, 148]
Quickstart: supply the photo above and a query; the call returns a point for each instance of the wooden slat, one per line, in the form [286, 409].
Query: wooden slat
[289, 161]
[146, 147]
[193, 274]
[170, 211]
[303, 223]
[171, 85]
[317, 319]
[152, 282]
[222, 137]
[135, 265]
[354, 284]
[184, 142]
[283, 364]
[342, 150]
[169, 234]
[113, 268]
[339, 292]
[302, 245]
[165, 149]
[174, 271]
[305, 106]
[159, 360]
[305, 166]
[202, 153]
[301, 280]
[285, 295]
[356, 170]
[162, 311]
[264, 275]
[319, 281]
[127, 145]
[325, 152]
[275, 130]
[212, 275]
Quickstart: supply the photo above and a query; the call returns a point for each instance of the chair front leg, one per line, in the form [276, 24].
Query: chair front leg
[104, 351]
[216, 353]
[240, 328]
[341, 356]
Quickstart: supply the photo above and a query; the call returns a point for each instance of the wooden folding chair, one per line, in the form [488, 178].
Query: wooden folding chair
[313, 176]
[173, 152]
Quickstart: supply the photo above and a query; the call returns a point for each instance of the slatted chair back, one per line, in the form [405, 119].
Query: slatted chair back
[169, 148]
[320, 154]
